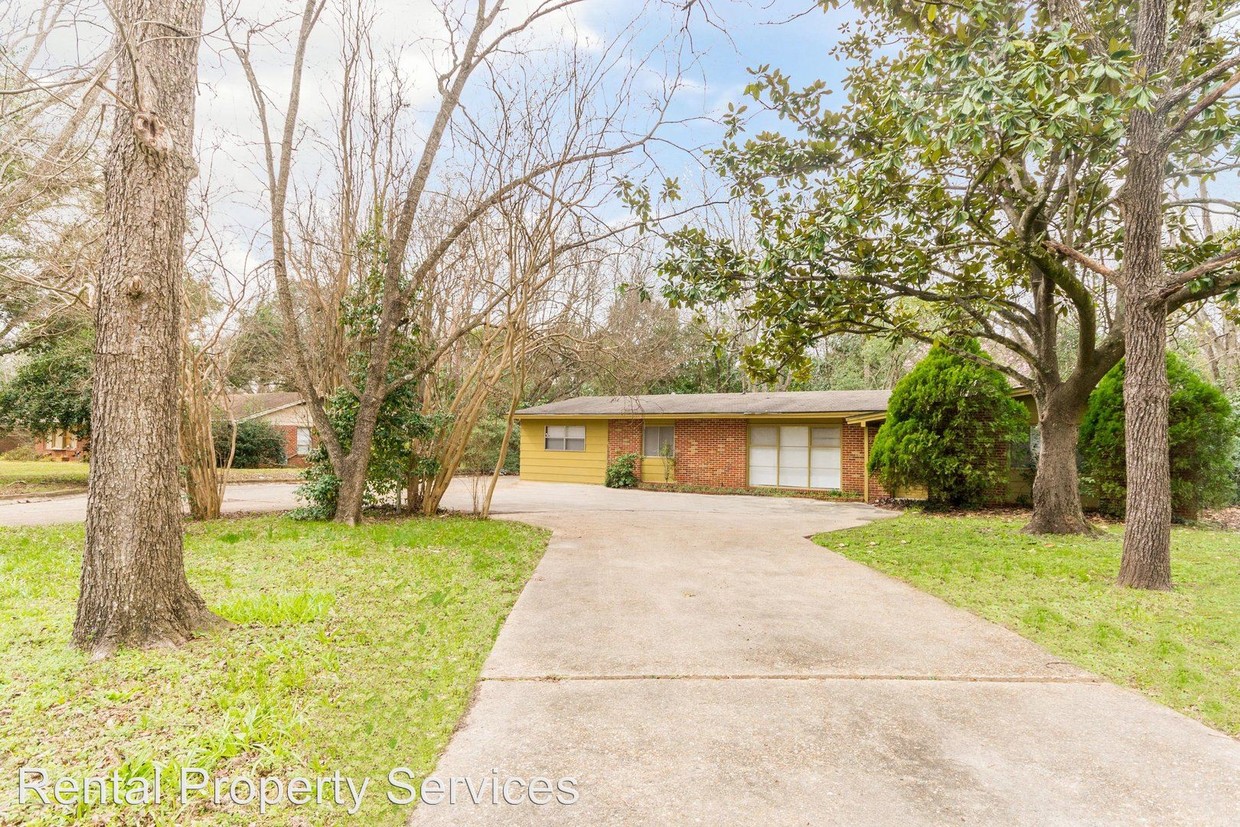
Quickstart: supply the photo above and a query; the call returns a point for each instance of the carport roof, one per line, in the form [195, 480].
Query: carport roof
[798, 403]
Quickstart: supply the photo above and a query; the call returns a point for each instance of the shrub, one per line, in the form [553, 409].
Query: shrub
[319, 489]
[943, 423]
[398, 457]
[622, 473]
[50, 388]
[1202, 439]
[259, 444]
[22, 453]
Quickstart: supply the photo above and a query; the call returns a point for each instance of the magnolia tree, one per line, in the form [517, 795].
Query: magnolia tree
[1006, 169]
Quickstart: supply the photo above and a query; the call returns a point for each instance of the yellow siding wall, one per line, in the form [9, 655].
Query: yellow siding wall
[537, 463]
[653, 469]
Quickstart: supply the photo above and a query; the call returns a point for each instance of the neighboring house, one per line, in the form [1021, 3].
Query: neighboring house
[285, 410]
[64, 446]
[808, 441]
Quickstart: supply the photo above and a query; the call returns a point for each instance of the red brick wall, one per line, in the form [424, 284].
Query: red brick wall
[877, 492]
[65, 454]
[624, 436]
[289, 432]
[852, 460]
[712, 452]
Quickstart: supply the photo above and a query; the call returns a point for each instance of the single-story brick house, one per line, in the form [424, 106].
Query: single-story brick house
[809, 441]
[62, 446]
[284, 410]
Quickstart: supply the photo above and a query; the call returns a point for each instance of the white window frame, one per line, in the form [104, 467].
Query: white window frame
[564, 438]
[660, 440]
[303, 446]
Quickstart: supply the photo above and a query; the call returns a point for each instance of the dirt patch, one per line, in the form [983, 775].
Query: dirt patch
[1227, 519]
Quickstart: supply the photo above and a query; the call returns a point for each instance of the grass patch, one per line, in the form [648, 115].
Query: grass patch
[357, 650]
[1181, 648]
[32, 477]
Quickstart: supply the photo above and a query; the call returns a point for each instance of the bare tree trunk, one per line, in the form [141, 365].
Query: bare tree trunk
[352, 475]
[133, 588]
[514, 402]
[1146, 560]
[204, 486]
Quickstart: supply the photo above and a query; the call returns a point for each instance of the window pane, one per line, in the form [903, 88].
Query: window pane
[574, 445]
[656, 437]
[825, 437]
[575, 431]
[555, 431]
[793, 435]
[765, 435]
[828, 478]
[763, 464]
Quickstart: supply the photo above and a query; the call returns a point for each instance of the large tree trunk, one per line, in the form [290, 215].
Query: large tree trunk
[352, 475]
[1056, 486]
[1146, 561]
[133, 589]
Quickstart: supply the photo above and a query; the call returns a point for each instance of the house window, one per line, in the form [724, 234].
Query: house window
[303, 441]
[795, 456]
[659, 441]
[565, 438]
[1023, 451]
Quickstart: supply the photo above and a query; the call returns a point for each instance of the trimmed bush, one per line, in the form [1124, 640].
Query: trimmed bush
[1202, 441]
[259, 444]
[623, 472]
[944, 423]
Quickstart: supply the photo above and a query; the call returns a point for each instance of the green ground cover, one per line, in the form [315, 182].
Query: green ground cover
[356, 649]
[1181, 647]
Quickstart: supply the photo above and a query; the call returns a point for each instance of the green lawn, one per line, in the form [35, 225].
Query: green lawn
[32, 478]
[356, 650]
[1181, 648]
[39, 477]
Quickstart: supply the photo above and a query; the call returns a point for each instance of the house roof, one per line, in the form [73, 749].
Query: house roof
[729, 404]
[243, 406]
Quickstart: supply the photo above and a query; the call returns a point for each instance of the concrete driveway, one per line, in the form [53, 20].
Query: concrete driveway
[690, 659]
[239, 498]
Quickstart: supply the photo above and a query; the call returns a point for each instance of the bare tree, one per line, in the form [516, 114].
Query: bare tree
[476, 38]
[50, 200]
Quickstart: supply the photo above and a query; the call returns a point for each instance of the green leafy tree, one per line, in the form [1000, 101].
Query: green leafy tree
[50, 390]
[943, 425]
[258, 444]
[979, 179]
[1202, 437]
